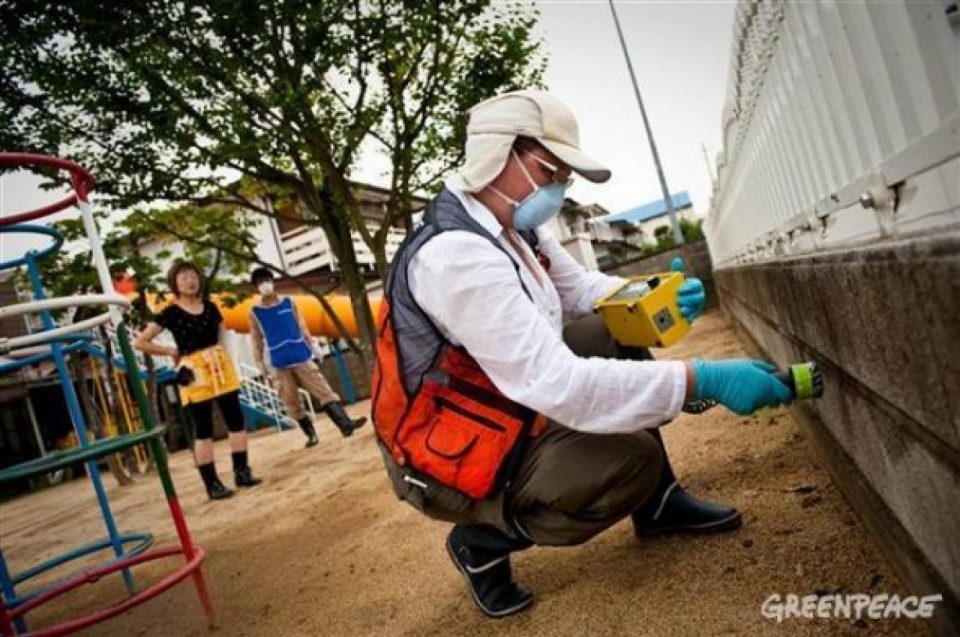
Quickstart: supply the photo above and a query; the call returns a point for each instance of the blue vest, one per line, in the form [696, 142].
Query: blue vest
[281, 330]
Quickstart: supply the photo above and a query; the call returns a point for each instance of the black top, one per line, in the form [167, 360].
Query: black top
[191, 332]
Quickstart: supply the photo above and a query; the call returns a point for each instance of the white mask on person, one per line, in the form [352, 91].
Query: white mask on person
[265, 288]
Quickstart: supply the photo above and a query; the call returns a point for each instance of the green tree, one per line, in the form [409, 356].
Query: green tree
[692, 230]
[435, 63]
[175, 101]
[72, 269]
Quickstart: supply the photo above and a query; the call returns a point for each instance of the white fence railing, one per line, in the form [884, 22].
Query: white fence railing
[842, 124]
[259, 393]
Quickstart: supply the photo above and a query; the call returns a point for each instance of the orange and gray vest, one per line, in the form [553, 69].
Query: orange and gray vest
[434, 409]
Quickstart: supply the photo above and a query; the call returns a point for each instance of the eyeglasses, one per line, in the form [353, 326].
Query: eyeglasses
[558, 175]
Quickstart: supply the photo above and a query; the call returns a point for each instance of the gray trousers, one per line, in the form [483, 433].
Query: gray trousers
[308, 376]
[570, 485]
[573, 485]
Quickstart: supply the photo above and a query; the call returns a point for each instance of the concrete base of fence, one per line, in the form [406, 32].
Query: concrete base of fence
[882, 321]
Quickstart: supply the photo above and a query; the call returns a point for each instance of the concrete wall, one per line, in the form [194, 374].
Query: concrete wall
[834, 229]
[882, 320]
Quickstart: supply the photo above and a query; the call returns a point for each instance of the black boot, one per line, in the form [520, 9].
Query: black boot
[216, 490]
[671, 509]
[342, 420]
[242, 474]
[482, 554]
[306, 424]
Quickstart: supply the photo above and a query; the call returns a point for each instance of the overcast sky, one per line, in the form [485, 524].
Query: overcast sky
[680, 52]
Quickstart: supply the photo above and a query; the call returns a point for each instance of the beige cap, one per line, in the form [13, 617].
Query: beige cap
[495, 124]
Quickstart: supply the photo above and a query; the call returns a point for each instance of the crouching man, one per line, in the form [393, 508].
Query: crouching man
[487, 414]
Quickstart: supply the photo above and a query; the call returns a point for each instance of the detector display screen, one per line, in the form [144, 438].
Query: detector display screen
[633, 290]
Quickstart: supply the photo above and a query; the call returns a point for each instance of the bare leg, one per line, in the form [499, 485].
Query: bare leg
[203, 451]
[238, 441]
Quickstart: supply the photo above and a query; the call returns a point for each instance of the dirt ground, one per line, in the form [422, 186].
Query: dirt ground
[324, 548]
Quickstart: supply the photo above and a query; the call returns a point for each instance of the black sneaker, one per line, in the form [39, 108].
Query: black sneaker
[679, 512]
[244, 478]
[491, 584]
[217, 490]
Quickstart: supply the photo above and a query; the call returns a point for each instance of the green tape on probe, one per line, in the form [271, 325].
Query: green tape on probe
[802, 380]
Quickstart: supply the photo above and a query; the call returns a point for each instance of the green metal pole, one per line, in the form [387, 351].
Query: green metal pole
[143, 406]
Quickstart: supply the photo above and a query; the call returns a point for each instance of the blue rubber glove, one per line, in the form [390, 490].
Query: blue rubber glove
[741, 385]
[691, 297]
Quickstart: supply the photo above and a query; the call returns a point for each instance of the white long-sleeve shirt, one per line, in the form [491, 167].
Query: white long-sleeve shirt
[471, 291]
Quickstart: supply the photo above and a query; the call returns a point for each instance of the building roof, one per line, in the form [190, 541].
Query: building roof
[650, 210]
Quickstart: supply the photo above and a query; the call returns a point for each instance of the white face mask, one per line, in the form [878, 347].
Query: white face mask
[265, 288]
[542, 204]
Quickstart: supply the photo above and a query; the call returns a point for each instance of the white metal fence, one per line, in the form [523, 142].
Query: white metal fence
[842, 124]
[259, 393]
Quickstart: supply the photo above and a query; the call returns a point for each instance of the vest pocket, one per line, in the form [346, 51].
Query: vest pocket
[466, 447]
[450, 439]
[456, 430]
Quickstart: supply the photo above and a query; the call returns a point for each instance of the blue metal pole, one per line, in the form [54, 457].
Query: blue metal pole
[9, 594]
[351, 393]
[79, 425]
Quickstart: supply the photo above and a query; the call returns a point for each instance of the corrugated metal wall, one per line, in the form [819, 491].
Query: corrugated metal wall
[829, 101]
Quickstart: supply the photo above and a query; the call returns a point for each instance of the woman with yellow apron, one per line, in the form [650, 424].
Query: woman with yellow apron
[207, 374]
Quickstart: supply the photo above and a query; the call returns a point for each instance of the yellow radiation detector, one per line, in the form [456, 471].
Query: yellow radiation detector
[644, 312]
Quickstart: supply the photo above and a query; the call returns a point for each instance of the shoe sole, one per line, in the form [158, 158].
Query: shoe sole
[476, 600]
[730, 523]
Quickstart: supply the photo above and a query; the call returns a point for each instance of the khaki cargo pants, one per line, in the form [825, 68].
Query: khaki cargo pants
[306, 375]
[570, 485]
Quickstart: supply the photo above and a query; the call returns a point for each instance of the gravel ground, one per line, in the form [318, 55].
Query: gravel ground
[324, 548]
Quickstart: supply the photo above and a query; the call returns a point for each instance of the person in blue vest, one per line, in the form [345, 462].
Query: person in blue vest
[284, 353]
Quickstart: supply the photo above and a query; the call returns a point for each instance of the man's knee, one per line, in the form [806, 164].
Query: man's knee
[612, 475]
[588, 337]
[599, 475]
[633, 476]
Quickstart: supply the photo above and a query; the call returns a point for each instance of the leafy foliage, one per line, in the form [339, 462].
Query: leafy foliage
[194, 102]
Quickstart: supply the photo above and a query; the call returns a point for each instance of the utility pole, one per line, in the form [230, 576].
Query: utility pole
[677, 235]
[706, 160]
